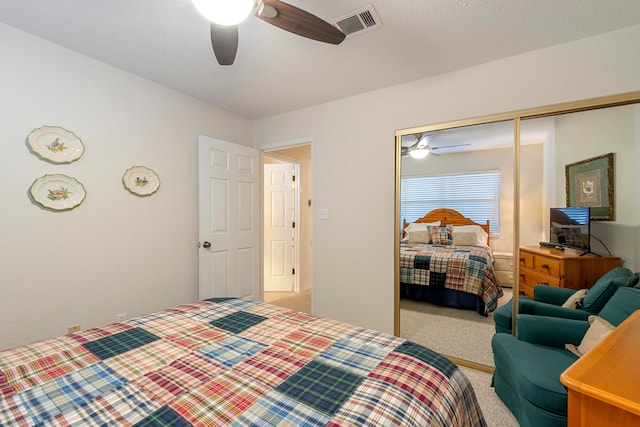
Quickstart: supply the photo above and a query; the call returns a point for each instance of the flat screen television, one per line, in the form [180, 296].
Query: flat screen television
[570, 227]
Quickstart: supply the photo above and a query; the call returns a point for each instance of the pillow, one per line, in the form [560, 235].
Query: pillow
[417, 226]
[604, 288]
[598, 330]
[575, 300]
[440, 235]
[480, 234]
[461, 238]
[420, 236]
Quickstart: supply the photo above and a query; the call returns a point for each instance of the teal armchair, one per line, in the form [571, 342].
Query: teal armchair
[547, 300]
[528, 368]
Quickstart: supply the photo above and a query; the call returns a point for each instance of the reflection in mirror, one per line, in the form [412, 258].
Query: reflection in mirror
[575, 137]
[549, 138]
[447, 286]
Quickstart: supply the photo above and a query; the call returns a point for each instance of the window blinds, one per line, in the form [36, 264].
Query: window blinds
[474, 195]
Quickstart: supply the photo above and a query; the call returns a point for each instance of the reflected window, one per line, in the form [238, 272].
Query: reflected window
[474, 195]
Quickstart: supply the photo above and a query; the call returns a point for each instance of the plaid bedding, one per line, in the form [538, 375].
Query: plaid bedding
[232, 362]
[460, 268]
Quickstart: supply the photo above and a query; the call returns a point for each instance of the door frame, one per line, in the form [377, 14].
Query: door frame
[281, 146]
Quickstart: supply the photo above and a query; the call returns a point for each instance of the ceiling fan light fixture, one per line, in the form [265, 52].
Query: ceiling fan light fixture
[419, 153]
[225, 12]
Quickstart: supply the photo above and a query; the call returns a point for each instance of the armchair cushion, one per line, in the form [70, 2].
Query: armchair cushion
[551, 294]
[605, 287]
[621, 305]
[550, 331]
[544, 309]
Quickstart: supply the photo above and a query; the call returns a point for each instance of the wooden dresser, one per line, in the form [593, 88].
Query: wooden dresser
[565, 269]
[603, 384]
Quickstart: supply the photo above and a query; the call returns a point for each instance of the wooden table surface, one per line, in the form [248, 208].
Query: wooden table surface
[604, 384]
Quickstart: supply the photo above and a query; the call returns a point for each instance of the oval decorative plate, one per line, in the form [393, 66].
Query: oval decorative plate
[55, 144]
[141, 180]
[57, 192]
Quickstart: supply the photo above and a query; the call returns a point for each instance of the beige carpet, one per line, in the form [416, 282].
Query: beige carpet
[300, 301]
[495, 412]
[463, 334]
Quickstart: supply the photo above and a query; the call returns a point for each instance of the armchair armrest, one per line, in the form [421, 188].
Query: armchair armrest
[551, 294]
[550, 331]
[543, 309]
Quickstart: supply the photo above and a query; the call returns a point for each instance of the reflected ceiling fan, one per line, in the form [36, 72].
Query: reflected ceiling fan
[421, 148]
[225, 15]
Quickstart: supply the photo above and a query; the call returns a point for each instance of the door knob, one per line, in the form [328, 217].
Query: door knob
[206, 245]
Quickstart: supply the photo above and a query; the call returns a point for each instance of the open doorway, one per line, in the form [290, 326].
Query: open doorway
[287, 228]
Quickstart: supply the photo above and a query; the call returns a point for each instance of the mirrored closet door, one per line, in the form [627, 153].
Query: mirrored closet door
[529, 150]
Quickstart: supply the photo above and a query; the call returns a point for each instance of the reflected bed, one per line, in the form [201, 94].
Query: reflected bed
[445, 259]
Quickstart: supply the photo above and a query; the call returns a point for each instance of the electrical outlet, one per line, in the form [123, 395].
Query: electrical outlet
[121, 317]
[73, 328]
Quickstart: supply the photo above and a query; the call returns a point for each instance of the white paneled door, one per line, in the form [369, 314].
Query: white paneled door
[228, 220]
[278, 227]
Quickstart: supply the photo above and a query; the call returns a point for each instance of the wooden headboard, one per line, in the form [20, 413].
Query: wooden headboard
[449, 217]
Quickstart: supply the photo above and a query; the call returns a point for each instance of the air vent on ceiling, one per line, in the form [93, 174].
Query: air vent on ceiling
[358, 21]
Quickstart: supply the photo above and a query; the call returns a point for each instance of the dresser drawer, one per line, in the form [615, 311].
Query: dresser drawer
[531, 278]
[546, 265]
[540, 263]
[526, 259]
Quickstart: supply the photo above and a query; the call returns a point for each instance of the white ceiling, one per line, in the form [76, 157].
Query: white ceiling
[486, 136]
[167, 41]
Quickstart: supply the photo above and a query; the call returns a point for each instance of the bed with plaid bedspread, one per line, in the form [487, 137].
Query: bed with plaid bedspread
[467, 269]
[232, 362]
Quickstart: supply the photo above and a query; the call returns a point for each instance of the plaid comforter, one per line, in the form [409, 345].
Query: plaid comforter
[460, 268]
[232, 362]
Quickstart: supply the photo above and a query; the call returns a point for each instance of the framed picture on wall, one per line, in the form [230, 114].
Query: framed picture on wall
[590, 183]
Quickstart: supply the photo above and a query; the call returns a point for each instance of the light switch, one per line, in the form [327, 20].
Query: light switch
[323, 213]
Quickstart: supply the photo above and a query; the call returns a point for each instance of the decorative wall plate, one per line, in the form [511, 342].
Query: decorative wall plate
[141, 180]
[55, 144]
[57, 192]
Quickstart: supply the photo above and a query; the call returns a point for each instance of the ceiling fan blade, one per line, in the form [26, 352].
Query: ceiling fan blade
[300, 22]
[225, 43]
[448, 146]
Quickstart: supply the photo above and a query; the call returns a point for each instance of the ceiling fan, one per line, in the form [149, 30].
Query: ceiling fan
[225, 15]
[421, 148]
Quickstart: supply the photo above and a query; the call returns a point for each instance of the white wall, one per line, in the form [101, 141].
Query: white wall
[116, 252]
[587, 134]
[354, 153]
